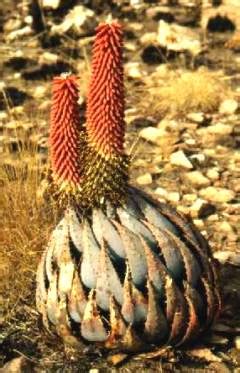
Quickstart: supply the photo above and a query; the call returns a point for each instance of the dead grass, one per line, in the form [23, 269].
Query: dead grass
[177, 93]
[25, 223]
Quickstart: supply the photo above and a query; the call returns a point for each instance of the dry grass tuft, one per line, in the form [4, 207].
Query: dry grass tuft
[180, 92]
[25, 224]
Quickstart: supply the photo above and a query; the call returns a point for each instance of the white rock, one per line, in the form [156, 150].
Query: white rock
[196, 117]
[161, 192]
[197, 179]
[148, 38]
[217, 194]
[48, 58]
[237, 342]
[77, 18]
[53, 4]
[224, 227]
[133, 70]
[200, 158]
[220, 129]
[190, 142]
[200, 208]
[178, 38]
[227, 256]
[212, 174]
[145, 179]
[152, 134]
[229, 106]
[173, 197]
[180, 159]
[39, 91]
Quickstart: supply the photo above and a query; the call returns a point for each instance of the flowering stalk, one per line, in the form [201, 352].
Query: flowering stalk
[106, 164]
[65, 135]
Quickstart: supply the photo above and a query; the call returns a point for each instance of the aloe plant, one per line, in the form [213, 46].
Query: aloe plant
[121, 269]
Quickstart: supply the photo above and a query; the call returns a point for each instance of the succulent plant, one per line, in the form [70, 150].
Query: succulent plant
[121, 269]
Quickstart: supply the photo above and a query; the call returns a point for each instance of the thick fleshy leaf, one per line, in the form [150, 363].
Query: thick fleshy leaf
[108, 282]
[156, 327]
[169, 250]
[135, 254]
[75, 229]
[89, 265]
[66, 271]
[104, 230]
[77, 299]
[136, 226]
[52, 300]
[153, 215]
[157, 272]
[192, 268]
[118, 326]
[92, 328]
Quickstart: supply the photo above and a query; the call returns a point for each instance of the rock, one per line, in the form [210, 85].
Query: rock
[48, 58]
[180, 159]
[52, 4]
[178, 38]
[219, 129]
[237, 342]
[197, 179]
[228, 107]
[190, 142]
[18, 365]
[224, 227]
[39, 91]
[152, 134]
[189, 198]
[213, 174]
[148, 38]
[145, 179]
[217, 194]
[133, 70]
[77, 19]
[25, 31]
[196, 117]
[161, 192]
[201, 209]
[12, 25]
[226, 256]
[173, 197]
[199, 158]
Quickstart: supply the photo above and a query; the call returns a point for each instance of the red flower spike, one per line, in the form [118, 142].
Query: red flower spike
[65, 133]
[105, 106]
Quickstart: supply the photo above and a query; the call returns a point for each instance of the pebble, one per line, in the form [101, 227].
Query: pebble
[148, 38]
[39, 91]
[197, 179]
[161, 192]
[144, 179]
[152, 134]
[228, 107]
[224, 227]
[201, 209]
[53, 4]
[196, 117]
[48, 58]
[200, 158]
[219, 129]
[173, 197]
[180, 159]
[217, 194]
[213, 174]
[237, 342]
[189, 198]
[17, 365]
[133, 70]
